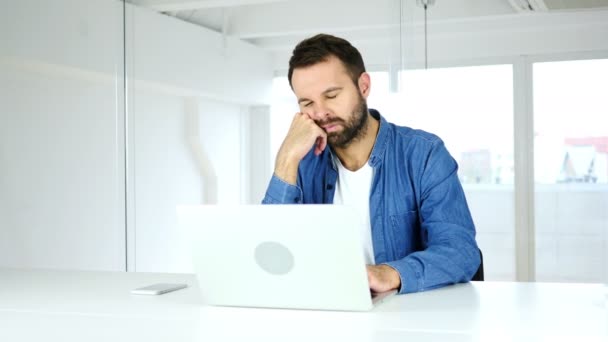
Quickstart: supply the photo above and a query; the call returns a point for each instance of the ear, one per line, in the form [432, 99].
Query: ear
[364, 84]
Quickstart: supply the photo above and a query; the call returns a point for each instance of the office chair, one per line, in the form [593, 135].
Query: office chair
[478, 276]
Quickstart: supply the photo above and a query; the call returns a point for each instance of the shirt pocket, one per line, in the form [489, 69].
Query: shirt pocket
[405, 232]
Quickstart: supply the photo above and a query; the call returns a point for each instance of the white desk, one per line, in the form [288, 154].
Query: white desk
[97, 306]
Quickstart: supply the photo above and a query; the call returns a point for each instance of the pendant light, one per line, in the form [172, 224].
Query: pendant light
[425, 4]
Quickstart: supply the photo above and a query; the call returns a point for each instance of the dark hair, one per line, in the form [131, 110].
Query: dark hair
[319, 48]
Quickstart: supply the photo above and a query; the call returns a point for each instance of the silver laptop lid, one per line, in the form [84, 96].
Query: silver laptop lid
[280, 256]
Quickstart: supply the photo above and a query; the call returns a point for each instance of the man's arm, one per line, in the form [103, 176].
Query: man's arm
[303, 134]
[451, 253]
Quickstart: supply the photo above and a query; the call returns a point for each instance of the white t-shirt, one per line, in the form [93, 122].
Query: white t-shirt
[353, 189]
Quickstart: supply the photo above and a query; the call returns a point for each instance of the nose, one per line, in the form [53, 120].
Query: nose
[319, 112]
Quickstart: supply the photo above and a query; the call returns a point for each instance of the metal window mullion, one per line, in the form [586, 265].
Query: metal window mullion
[129, 139]
[523, 121]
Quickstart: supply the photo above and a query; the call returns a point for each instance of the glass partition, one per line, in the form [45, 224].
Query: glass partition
[61, 135]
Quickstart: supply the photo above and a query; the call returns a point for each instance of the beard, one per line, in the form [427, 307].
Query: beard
[353, 128]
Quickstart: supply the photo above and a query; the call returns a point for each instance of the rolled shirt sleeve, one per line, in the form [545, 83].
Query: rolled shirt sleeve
[451, 254]
[281, 192]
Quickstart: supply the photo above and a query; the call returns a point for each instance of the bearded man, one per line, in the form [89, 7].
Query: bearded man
[416, 228]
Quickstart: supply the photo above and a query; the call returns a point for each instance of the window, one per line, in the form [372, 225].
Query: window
[571, 170]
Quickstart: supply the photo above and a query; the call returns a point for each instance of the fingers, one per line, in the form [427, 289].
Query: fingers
[380, 278]
[321, 136]
[321, 143]
[303, 135]
[310, 131]
[371, 277]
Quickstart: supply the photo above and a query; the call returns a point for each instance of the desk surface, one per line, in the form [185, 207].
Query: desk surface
[97, 306]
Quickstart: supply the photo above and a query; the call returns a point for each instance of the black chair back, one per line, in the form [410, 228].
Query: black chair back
[479, 274]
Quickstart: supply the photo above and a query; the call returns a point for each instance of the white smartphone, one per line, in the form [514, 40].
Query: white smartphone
[158, 289]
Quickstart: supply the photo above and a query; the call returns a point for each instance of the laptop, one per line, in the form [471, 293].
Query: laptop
[279, 256]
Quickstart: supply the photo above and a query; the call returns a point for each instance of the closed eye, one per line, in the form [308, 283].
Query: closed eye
[332, 92]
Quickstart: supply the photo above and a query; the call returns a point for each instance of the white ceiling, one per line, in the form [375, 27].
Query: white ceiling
[279, 24]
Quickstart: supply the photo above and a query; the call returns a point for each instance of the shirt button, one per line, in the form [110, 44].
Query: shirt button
[329, 187]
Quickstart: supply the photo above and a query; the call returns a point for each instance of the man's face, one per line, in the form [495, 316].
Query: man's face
[326, 92]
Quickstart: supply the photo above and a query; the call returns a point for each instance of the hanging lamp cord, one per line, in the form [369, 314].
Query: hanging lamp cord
[426, 49]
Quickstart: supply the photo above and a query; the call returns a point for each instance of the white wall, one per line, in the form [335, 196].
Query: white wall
[258, 153]
[164, 174]
[189, 60]
[190, 110]
[62, 148]
[186, 151]
[61, 178]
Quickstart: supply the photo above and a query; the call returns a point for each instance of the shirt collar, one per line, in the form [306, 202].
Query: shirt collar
[377, 155]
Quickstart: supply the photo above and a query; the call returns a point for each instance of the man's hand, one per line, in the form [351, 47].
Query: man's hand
[383, 278]
[302, 135]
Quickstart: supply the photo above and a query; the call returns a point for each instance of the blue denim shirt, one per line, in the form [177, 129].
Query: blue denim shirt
[420, 221]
